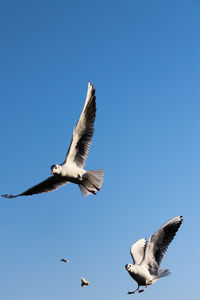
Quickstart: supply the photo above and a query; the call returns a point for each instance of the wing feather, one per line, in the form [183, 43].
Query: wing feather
[50, 184]
[159, 242]
[137, 251]
[83, 132]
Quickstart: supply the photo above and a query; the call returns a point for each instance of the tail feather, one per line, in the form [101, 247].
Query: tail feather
[92, 181]
[84, 191]
[163, 273]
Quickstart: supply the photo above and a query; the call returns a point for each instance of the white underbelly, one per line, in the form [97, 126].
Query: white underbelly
[73, 172]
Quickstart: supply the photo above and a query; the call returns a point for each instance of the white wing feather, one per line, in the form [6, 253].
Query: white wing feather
[137, 251]
[83, 132]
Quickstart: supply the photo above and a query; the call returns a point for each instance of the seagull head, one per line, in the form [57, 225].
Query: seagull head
[129, 267]
[55, 169]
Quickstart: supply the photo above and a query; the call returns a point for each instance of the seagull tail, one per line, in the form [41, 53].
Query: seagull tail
[163, 273]
[92, 181]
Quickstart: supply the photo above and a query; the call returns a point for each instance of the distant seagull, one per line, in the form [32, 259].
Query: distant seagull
[64, 260]
[148, 255]
[71, 170]
[84, 282]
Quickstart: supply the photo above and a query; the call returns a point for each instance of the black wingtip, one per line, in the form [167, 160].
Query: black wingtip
[8, 196]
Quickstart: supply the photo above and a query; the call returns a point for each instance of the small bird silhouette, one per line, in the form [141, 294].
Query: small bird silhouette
[64, 260]
[84, 282]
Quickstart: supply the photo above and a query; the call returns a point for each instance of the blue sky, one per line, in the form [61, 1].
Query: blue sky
[144, 60]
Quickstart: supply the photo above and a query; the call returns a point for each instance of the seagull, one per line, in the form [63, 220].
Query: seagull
[148, 256]
[84, 282]
[64, 260]
[71, 170]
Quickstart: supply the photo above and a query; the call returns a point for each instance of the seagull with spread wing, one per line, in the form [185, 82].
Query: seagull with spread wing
[71, 170]
[148, 256]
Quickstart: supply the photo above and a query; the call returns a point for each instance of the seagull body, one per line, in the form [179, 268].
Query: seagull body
[148, 256]
[71, 170]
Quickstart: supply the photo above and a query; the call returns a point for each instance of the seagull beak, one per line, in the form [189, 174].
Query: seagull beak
[52, 172]
[126, 266]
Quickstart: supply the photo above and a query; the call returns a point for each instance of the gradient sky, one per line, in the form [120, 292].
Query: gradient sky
[144, 60]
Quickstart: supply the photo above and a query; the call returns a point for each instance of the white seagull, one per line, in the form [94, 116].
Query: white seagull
[147, 256]
[71, 170]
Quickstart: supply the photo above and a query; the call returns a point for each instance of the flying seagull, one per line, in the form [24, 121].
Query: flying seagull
[64, 260]
[71, 170]
[148, 256]
[84, 282]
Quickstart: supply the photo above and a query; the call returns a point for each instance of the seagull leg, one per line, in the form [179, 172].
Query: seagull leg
[92, 192]
[129, 293]
[140, 291]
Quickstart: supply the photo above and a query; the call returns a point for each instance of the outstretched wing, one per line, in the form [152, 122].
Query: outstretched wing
[159, 242]
[137, 251]
[50, 184]
[83, 132]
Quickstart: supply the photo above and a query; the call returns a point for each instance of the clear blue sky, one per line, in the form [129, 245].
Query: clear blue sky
[144, 60]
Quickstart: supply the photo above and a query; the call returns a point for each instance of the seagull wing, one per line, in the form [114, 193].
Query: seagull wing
[159, 242]
[137, 251]
[83, 132]
[50, 184]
